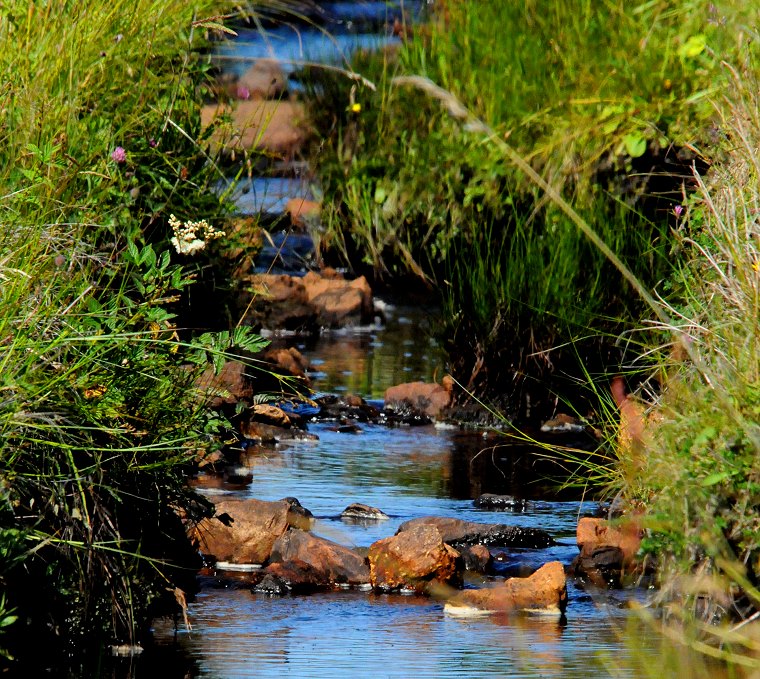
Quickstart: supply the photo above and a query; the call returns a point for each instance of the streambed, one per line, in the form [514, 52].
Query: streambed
[407, 472]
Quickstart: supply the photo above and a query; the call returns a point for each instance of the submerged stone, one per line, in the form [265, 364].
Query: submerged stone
[543, 592]
[500, 502]
[360, 513]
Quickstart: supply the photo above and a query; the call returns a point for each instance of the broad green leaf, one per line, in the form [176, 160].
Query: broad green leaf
[635, 144]
[714, 479]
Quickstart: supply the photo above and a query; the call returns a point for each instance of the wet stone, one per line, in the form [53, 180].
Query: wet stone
[271, 585]
[500, 502]
[361, 513]
[336, 409]
[457, 533]
[476, 558]
[294, 576]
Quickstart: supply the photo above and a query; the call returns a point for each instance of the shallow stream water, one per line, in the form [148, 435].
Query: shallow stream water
[407, 472]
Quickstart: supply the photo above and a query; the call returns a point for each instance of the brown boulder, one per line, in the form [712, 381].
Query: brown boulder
[413, 559]
[333, 563]
[268, 414]
[429, 398]
[338, 302]
[230, 385]
[264, 423]
[562, 423]
[242, 531]
[291, 576]
[270, 126]
[293, 302]
[303, 213]
[290, 361]
[607, 551]
[264, 79]
[592, 534]
[476, 558]
[543, 592]
[457, 532]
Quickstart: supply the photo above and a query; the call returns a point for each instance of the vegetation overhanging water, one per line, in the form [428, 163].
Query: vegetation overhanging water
[100, 422]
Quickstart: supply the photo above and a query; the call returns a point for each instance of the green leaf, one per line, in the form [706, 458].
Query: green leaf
[635, 144]
[715, 478]
[694, 46]
[705, 435]
[133, 252]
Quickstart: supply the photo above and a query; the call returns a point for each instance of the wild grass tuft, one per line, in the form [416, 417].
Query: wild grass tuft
[100, 421]
[700, 470]
[609, 103]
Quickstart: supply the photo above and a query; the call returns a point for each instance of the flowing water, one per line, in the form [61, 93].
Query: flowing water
[407, 472]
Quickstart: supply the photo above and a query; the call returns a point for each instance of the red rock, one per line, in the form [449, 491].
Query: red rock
[593, 534]
[298, 575]
[338, 302]
[431, 399]
[543, 592]
[231, 385]
[476, 557]
[607, 551]
[562, 423]
[276, 127]
[264, 79]
[303, 213]
[253, 528]
[332, 562]
[457, 532]
[414, 559]
[331, 302]
[268, 414]
[290, 361]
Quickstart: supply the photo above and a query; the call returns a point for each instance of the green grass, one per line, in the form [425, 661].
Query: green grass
[701, 478]
[608, 102]
[100, 422]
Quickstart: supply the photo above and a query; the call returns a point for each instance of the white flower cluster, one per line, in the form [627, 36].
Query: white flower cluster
[192, 237]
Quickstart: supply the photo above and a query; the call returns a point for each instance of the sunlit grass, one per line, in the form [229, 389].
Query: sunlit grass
[100, 419]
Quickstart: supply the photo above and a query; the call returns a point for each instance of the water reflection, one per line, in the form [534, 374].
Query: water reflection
[348, 634]
[368, 360]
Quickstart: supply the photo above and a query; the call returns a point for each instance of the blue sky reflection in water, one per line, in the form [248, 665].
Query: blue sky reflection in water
[407, 472]
[349, 634]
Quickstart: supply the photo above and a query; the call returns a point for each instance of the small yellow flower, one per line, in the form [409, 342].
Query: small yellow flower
[756, 266]
[356, 108]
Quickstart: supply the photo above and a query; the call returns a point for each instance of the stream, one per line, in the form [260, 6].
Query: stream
[407, 472]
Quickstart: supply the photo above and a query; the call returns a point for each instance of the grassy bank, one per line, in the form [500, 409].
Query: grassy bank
[99, 419]
[609, 103]
[696, 467]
